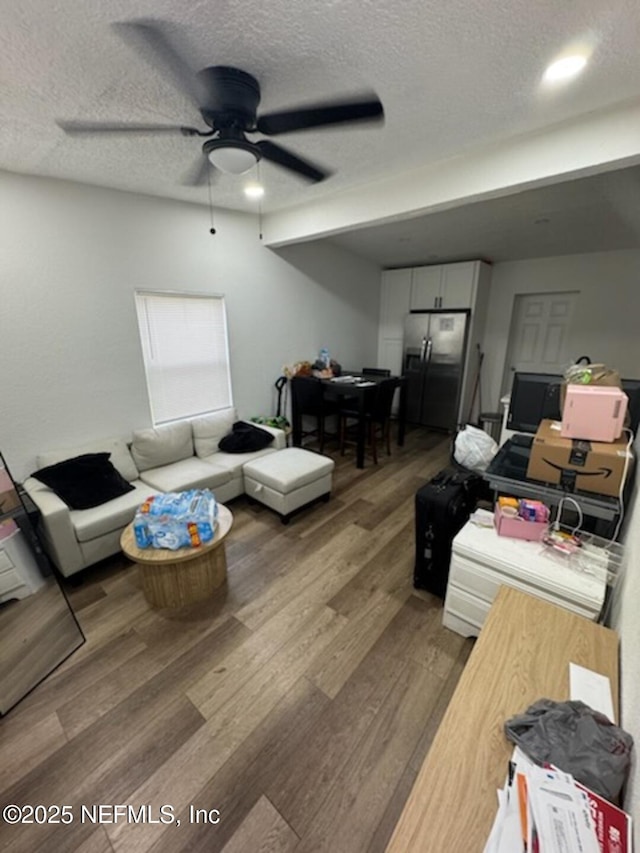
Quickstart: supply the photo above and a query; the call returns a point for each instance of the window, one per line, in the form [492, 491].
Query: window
[186, 354]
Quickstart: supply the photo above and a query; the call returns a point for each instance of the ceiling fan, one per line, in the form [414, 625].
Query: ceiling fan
[227, 99]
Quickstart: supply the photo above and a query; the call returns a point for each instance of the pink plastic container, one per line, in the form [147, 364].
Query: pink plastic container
[517, 528]
[593, 413]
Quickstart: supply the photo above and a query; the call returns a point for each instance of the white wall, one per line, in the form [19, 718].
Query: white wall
[605, 325]
[72, 257]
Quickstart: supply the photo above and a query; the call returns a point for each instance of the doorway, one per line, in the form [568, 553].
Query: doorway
[539, 336]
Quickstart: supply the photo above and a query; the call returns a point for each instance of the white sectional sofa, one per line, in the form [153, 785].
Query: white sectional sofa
[170, 458]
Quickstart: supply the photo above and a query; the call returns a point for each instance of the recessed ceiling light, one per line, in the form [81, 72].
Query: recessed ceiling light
[254, 191]
[565, 68]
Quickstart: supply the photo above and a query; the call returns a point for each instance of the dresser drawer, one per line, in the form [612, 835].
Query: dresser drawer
[9, 580]
[463, 612]
[5, 561]
[483, 581]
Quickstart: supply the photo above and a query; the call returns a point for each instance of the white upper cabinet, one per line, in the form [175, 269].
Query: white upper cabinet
[444, 286]
[457, 285]
[426, 287]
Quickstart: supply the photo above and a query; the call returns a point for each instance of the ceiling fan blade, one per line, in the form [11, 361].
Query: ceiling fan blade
[197, 175]
[77, 128]
[148, 38]
[320, 115]
[279, 155]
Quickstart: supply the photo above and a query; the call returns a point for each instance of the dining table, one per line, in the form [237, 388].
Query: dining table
[360, 389]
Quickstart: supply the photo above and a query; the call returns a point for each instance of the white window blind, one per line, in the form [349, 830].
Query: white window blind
[186, 354]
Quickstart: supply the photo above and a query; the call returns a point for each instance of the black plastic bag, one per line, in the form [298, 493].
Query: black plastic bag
[576, 739]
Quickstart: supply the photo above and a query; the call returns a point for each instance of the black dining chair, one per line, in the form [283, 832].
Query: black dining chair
[376, 371]
[308, 399]
[377, 415]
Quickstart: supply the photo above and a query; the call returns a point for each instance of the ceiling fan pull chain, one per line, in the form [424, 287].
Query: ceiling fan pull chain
[259, 202]
[212, 230]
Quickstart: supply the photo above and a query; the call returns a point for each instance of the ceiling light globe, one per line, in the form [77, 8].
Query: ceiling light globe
[233, 160]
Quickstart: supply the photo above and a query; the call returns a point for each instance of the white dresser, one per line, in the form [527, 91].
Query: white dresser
[19, 572]
[482, 561]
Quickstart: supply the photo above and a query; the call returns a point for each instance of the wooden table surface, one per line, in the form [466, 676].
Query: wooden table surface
[522, 654]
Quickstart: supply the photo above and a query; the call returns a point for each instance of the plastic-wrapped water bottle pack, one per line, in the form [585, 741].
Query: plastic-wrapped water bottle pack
[176, 520]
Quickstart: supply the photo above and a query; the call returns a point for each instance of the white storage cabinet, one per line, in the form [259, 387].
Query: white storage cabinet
[482, 561]
[19, 572]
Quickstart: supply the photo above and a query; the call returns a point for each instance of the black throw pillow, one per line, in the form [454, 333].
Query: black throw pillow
[84, 481]
[245, 438]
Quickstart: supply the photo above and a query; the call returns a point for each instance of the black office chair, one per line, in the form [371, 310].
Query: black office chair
[378, 418]
[376, 371]
[309, 400]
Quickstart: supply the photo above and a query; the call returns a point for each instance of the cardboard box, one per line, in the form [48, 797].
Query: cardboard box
[590, 466]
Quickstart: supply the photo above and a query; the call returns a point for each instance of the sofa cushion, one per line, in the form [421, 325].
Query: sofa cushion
[208, 430]
[192, 473]
[152, 448]
[234, 462]
[115, 515]
[120, 457]
[84, 481]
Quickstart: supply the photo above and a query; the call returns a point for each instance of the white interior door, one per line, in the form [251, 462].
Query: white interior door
[539, 334]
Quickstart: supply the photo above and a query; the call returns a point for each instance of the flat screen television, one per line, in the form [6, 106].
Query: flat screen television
[536, 396]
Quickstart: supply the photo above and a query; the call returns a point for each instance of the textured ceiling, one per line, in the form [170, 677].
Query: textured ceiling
[452, 76]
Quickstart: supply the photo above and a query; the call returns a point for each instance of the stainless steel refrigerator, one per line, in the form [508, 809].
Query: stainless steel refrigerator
[435, 344]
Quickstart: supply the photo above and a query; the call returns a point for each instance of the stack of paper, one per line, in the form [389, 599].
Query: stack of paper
[544, 810]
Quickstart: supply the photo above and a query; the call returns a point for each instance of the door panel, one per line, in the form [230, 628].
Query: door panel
[440, 396]
[425, 288]
[457, 285]
[395, 299]
[539, 334]
[447, 332]
[414, 388]
[390, 355]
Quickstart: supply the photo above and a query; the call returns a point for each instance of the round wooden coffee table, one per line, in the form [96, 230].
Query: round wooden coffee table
[175, 578]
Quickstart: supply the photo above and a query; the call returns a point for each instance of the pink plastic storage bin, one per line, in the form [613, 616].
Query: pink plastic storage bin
[518, 528]
[593, 413]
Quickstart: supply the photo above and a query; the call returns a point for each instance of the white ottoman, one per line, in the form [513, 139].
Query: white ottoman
[289, 479]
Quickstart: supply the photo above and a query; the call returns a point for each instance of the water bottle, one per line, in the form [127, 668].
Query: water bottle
[324, 357]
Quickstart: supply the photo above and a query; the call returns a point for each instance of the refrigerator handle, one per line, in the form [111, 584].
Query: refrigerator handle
[423, 349]
[427, 357]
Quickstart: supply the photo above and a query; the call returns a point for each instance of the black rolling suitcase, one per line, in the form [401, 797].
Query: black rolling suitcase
[443, 507]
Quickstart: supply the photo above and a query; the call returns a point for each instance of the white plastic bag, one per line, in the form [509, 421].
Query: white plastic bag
[474, 448]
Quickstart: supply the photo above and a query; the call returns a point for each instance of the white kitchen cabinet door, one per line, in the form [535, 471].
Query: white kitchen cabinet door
[457, 285]
[426, 288]
[395, 296]
[390, 355]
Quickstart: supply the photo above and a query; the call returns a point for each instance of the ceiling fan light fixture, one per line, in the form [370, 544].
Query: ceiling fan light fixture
[232, 160]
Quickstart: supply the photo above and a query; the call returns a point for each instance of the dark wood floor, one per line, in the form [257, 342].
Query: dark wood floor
[299, 704]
